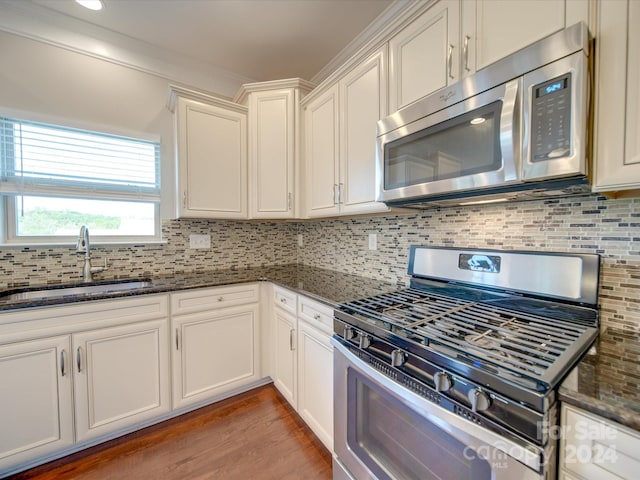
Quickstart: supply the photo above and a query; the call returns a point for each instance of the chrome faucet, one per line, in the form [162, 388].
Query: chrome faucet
[83, 246]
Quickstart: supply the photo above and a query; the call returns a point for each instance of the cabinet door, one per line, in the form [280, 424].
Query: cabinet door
[271, 153]
[617, 118]
[121, 376]
[494, 29]
[315, 387]
[363, 101]
[212, 161]
[594, 448]
[215, 352]
[36, 404]
[285, 368]
[321, 154]
[424, 56]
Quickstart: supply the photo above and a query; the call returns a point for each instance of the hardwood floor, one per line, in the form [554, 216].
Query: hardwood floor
[252, 436]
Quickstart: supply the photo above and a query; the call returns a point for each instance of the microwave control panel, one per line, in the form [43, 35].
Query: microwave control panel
[551, 119]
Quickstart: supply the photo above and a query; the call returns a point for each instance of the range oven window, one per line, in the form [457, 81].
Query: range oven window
[395, 442]
[464, 145]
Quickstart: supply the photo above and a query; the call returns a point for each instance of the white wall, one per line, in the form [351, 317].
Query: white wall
[47, 83]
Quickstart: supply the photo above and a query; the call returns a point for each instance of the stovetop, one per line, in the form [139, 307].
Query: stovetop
[529, 342]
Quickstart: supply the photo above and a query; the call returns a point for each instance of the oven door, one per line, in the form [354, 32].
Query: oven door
[470, 145]
[384, 431]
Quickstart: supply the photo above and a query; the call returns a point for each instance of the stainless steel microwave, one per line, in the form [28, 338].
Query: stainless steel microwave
[514, 130]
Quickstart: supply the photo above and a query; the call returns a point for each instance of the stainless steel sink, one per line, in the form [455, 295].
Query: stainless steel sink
[65, 291]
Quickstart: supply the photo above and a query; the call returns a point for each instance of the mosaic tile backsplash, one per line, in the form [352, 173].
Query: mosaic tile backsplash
[587, 224]
[584, 224]
[233, 245]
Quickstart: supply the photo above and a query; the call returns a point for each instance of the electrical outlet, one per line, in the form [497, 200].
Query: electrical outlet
[300, 240]
[373, 241]
[199, 241]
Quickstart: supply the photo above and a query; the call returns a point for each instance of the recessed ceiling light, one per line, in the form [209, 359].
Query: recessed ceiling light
[475, 121]
[91, 4]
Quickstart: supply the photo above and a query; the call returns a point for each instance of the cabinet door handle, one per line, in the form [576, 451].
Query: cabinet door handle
[336, 194]
[177, 339]
[63, 366]
[79, 359]
[450, 60]
[289, 201]
[184, 199]
[291, 332]
[465, 50]
[340, 193]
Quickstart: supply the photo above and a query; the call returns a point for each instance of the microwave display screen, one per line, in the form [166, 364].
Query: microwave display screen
[458, 147]
[551, 120]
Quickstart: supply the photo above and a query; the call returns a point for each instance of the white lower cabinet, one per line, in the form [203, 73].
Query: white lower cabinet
[284, 363]
[303, 359]
[215, 350]
[315, 369]
[36, 408]
[73, 373]
[121, 377]
[592, 448]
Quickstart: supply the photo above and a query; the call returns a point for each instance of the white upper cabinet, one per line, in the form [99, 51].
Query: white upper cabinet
[273, 145]
[212, 157]
[424, 56]
[493, 29]
[322, 154]
[363, 101]
[617, 110]
[340, 141]
[453, 39]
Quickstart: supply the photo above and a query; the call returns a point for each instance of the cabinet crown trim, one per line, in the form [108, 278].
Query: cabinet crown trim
[300, 83]
[176, 91]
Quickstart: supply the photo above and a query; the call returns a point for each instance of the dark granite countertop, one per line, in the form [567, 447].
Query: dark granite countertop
[327, 286]
[606, 382]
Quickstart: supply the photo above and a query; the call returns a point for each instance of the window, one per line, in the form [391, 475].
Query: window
[55, 179]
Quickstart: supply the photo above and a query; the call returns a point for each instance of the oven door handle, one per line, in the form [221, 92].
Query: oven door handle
[459, 428]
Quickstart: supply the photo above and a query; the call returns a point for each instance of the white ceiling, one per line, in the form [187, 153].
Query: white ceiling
[256, 39]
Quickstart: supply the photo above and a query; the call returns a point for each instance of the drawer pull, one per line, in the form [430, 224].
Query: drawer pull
[317, 317]
[283, 300]
[220, 299]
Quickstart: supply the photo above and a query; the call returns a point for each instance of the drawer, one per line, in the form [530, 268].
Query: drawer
[315, 313]
[595, 448]
[285, 299]
[199, 300]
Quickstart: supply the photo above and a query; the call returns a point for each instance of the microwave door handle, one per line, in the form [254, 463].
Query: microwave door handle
[510, 132]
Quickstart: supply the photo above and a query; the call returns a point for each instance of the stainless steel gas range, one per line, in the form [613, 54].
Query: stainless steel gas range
[455, 377]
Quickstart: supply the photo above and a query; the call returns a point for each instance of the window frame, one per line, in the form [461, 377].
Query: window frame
[8, 200]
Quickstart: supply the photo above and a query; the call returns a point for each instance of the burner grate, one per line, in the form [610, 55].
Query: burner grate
[497, 337]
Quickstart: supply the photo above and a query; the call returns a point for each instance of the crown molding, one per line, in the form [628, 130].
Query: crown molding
[48, 26]
[176, 91]
[303, 85]
[383, 27]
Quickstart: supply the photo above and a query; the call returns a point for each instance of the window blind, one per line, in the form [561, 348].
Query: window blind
[42, 159]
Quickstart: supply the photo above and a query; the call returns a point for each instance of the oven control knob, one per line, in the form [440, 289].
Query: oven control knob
[479, 399]
[349, 332]
[442, 381]
[398, 357]
[364, 341]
